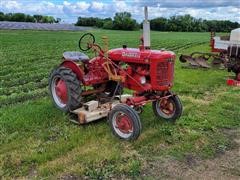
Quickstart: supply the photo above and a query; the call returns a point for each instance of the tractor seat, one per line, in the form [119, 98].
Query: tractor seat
[75, 56]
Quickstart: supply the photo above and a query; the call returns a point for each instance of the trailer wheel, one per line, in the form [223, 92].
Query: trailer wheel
[124, 122]
[65, 89]
[169, 109]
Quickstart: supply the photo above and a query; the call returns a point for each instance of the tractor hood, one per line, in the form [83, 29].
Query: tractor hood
[139, 56]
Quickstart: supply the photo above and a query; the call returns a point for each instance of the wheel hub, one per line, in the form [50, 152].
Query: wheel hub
[61, 91]
[166, 106]
[124, 123]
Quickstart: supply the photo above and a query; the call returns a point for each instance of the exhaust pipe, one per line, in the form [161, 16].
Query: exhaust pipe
[146, 30]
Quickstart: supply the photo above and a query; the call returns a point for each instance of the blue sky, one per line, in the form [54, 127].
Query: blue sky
[69, 10]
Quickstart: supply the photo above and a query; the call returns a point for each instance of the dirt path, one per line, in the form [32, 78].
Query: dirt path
[224, 166]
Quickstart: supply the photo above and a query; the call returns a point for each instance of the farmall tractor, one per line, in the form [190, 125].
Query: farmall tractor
[93, 88]
[225, 50]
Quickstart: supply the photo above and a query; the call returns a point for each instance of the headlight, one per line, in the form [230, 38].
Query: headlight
[142, 80]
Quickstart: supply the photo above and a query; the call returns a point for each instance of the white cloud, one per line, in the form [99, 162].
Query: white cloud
[9, 5]
[121, 5]
[188, 3]
[98, 6]
[82, 6]
[66, 3]
[70, 10]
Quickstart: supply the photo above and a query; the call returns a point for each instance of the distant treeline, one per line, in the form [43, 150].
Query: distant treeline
[188, 23]
[21, 17]
[121, 21]
[185, 23]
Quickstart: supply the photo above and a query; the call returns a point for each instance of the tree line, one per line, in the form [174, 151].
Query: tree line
[124, 21]
[21, 17]
[185, 23]
[121, 21]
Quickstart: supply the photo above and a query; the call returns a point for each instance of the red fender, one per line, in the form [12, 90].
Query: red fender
[74, 67]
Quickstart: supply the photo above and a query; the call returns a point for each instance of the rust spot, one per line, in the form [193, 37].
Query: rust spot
[81, 118]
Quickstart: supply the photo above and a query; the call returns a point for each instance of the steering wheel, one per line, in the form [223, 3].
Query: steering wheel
[86, 41]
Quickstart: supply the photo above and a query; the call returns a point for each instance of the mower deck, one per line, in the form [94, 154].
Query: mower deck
[94, 110]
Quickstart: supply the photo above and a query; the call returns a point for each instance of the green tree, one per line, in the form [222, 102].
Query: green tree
[8, 17]
[18, 17]
[159, 24]
[108, 24]
[58, 20]
[2, 17]
[29, 18]
[124, 21]
[38, 17]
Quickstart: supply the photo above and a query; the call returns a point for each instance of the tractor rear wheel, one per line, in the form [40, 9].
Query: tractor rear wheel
[65, 89]
[169, 109]
[124, 122]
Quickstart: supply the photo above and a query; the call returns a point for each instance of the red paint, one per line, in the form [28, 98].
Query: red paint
[166, 106]
[143, 70]
[233, 82]
[61, 91]
[96, 74]
[74, 67]
[124, 123]
[158, 65]
[134, 55]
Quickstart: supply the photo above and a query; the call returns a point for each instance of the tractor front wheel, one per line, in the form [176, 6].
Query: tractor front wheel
[169, 109]
[124, 122]
[65, 89]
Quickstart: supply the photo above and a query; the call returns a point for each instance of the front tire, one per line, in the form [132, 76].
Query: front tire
[65, 89]
[169, 109]
[124, 122]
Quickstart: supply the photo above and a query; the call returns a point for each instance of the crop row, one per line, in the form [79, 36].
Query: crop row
[178, 46]
[23, 80]
[22, 97]
[185, 46]
[26, 58]
[27, 73]
[24, 88]
[25, 67]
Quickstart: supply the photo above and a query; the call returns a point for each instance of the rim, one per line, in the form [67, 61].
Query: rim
[166, 108]
[122, 124]
[59, 92]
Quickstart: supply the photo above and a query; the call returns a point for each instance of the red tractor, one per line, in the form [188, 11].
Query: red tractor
[93, 88]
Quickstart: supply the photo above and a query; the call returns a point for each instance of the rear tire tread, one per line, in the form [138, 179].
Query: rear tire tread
[73, 87]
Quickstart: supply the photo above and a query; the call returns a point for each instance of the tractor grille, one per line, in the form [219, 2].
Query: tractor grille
[165, 71]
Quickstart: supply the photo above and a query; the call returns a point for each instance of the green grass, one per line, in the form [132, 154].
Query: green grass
[38, 140]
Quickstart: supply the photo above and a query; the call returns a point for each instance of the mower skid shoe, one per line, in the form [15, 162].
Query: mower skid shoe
[189, 59]
[202, 62]
[194, 61]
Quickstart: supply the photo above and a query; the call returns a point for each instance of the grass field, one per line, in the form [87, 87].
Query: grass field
[37, 140]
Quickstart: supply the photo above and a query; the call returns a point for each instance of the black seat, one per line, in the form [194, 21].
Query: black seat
[75, 56]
